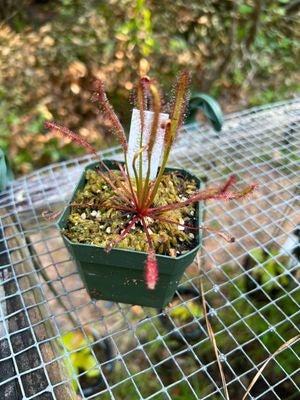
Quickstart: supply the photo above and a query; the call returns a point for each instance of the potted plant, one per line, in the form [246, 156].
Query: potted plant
[131, 233]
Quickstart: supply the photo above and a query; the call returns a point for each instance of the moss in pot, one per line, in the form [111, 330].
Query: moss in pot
[103, 226]
[134, 234]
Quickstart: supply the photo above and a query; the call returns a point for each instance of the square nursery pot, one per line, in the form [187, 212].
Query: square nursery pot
[119, 275]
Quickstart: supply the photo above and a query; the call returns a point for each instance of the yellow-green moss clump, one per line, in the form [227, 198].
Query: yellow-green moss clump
[100, 226]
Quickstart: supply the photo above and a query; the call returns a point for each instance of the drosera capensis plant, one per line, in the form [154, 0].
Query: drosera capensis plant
[136, 195]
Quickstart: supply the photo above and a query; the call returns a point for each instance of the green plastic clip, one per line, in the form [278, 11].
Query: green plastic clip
[209, 106]
[5, 172]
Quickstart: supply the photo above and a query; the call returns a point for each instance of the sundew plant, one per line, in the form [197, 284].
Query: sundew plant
[136, 195]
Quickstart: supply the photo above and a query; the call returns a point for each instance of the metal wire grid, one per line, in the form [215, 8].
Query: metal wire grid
[261, 145]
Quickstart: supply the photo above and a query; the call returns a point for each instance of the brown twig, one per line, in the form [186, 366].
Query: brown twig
[213, 341]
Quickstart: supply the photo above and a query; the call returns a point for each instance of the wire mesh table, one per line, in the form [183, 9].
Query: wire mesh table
[144, 353]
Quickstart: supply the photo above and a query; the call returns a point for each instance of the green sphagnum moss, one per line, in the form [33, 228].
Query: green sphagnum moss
[91, 225]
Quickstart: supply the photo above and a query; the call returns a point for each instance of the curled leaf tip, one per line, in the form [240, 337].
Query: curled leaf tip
[51, 215]
[145, 79]
[225, 236]
[184, 72]
[165, 123]
[47, 125]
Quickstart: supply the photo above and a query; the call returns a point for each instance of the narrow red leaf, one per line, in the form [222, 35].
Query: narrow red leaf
[207, 194]
[111, 184]
[180, 101]
[100, 96]
[151, 273]
[71, 135]
[230, 181]
[156, 104]
[224, 235]
[151, 268]
[122, 234]
[127, 179]
[142, 94]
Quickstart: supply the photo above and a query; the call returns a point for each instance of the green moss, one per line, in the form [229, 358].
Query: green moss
[101, 225]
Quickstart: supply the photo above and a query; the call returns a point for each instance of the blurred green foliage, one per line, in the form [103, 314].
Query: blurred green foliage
[242, 52]
[268, 269]
[81, 358]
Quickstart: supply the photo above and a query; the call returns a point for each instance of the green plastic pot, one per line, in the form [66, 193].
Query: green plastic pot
[119, 275]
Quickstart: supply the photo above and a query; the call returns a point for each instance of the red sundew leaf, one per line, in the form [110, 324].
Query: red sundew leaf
[122, 234]
[51, 215]
[71, 135]
[156, 110]
[167, 127]
[231, 181]
[106, 107]
[207, 194]
[151, 270]
[128, 181]
[223, 235]
[180, 101]
[142, 92]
